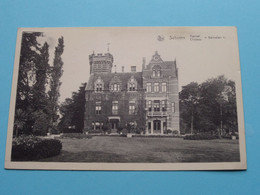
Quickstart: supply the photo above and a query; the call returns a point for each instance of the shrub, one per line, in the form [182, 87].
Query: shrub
[71, 130]
[41, 124]
[76, 135]
[26, 148]
[95, 131]
[201, 137]
[124, 132]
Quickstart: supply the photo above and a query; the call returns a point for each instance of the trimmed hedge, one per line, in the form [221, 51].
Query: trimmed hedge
[201, 137]
[28, 148]
[76, 135]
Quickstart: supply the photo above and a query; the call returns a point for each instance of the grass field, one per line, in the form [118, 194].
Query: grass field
[121, 149]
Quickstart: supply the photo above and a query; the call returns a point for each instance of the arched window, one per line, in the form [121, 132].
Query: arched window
[156, 71]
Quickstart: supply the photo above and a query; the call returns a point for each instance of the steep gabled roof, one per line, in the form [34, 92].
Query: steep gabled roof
[107, 77]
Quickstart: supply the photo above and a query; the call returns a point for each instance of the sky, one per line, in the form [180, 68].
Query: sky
[201, 53]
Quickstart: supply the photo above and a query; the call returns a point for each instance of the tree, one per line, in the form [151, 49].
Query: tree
[55, 75]
[29, 56]
[209, 107]
[73, 110]
[189, 97]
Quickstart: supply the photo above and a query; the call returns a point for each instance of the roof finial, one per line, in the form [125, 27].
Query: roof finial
[108, 47]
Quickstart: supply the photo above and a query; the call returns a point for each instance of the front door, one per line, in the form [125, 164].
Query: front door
[157, 126]
[114, 125]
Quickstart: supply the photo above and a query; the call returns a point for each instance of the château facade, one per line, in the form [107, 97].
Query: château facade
[149, 99]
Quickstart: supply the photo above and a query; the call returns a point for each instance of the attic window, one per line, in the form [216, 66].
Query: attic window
[115, 87]
[99, 85]
[132, 84]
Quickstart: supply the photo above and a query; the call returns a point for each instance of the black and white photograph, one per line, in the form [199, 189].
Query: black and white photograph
[126, 98]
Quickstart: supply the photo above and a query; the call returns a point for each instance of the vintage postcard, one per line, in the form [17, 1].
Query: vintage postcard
[126, 98]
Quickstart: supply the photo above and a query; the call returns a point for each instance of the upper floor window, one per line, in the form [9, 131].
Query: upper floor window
[132, 84]
[115, 83]
[156, 87]
[164, 87]
[98, 110]
[115, 87]
[156, 105]
[156, 71]
[115, 107]
[173, 107]
[131, 109]
[149, 105]
[163, 105]
[148, 87]
[99, 85]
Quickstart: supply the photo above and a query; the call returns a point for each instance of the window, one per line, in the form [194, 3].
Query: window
[131, 86]
[98, 110]
[156, 87]
[156, 105]
[98, 85]
[173, 107]
[154, 73]
[115, 107]
[148, 87]
[131, 109]
[164, 87]
[149, 105]
[158, 73]
[115, 87]
[163, 104]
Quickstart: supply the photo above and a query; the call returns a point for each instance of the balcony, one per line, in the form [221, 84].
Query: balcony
[157, 113]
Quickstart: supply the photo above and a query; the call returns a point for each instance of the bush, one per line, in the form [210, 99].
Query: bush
[76, 135]
[71, 130]
[41, 124]
[27, 148]
[95, 132]
[124, 132]
[201, 137]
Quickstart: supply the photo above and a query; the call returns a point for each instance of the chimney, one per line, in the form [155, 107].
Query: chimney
[123, 68]
[133, 68]
[143, 63]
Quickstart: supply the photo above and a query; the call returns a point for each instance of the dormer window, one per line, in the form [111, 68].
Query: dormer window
[99, 85]
[115, 84]
[132, 84]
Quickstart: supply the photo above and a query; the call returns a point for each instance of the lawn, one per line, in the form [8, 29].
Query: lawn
[156, 150]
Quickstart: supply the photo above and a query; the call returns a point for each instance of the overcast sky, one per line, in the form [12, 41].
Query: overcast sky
[196, 60]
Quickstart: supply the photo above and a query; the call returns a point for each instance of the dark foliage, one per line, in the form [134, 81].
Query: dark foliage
[27, 148]
[201, 137]
[73, 109]
[209, 106]
[76, 136]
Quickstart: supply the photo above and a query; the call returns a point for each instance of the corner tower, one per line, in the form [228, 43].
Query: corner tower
[100, 63]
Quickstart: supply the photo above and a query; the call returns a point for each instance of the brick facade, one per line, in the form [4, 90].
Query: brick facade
[148, 98]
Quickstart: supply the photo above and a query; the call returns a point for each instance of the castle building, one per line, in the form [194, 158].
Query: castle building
[149, 99]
